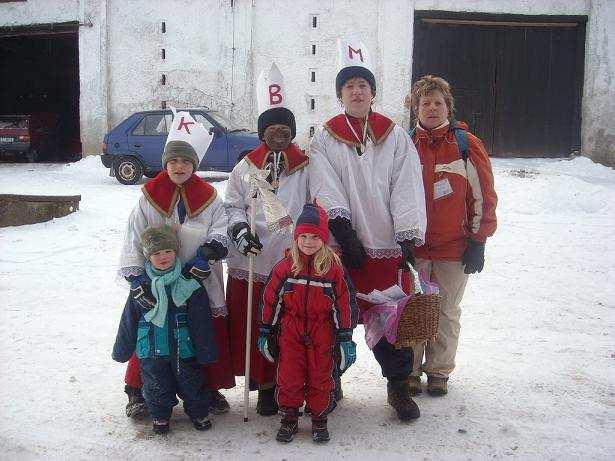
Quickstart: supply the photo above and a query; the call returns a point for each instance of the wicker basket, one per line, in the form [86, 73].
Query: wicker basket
[419, 320]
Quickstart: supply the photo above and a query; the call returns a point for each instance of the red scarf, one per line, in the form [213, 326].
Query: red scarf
[163, 194]
[378, 128]
[295, 158]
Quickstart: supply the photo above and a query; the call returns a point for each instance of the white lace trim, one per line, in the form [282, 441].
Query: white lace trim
[131, 271]
[383, 253]
[219, 311]
[244, 275]
[221, 239]
[339, 213]
[415, 234]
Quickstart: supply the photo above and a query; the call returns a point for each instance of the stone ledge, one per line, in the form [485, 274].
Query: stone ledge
[17, 210]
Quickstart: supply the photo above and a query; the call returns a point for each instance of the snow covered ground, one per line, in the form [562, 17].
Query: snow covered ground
[536, 367]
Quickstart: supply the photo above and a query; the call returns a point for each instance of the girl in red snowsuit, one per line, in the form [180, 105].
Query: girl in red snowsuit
[307, 315]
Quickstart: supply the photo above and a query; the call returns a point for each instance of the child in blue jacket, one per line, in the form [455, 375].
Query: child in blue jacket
[170, 327]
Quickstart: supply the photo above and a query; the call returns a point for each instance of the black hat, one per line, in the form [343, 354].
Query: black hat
[276, 115]
[349, 72]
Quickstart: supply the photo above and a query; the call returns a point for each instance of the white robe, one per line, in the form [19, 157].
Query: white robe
[293, 192]
[381, 191]
[207, 226]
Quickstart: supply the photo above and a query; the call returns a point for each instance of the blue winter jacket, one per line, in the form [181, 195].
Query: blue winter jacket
[188, 331]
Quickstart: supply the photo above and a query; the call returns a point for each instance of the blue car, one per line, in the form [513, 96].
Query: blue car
[134, 147]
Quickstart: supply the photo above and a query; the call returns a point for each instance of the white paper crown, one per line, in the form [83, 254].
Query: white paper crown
[270, 89]
[185, 128]
[352, 52]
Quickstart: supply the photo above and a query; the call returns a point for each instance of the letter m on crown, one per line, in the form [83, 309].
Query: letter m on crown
[352, 52]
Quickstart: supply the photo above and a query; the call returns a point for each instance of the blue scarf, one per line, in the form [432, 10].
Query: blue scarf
[181, 289]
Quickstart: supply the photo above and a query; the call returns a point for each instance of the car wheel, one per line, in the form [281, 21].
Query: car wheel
[128, 170]
[151, 173]
[32, 156]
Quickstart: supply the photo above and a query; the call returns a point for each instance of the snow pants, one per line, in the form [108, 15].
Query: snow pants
[440, 354]
[166, 377]
[262, 372]
[306, 365]
[217, 375]
[379, 274]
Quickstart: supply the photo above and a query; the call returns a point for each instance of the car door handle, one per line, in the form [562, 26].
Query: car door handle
[137, 145]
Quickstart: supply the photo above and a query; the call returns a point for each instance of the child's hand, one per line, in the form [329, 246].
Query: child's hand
[197, 268]
[142, 294]
[347, 349]
[266, 346]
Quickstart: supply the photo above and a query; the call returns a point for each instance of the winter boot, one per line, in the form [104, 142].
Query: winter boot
[202, 424]
[437, 387]
[266, 404]
[136, 406]
[414, 385]
[338, 393]
[160, 426]
[289, 425]
[218, 404]
[320, 434]
[399, 398]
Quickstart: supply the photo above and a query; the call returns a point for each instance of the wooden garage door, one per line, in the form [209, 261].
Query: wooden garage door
[517, 80]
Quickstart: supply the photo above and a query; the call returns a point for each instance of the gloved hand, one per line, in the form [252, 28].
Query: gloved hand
[474, 257]
[247, 243]
[197, 268]
[212, 251]
[347, 350]
[141, 292]
[407, 254]
[267, 344]
[353, 252]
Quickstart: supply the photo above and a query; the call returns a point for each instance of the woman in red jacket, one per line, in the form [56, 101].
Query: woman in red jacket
[460, 200]
[307, 316]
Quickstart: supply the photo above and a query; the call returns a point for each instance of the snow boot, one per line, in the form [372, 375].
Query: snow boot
[160, 426]
[266, 404]
[289, 425]
[399, 398]
[320, 434]
[218, 404]
[136, 406]
[203, 424]
[338, 393]
[437, 387]
[414, 385]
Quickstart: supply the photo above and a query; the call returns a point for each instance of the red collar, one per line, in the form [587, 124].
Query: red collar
[295, 158]
[378, 128]
[163, 194]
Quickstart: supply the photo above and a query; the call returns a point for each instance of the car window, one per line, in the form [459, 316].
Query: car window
[153, 125]
[200, 118]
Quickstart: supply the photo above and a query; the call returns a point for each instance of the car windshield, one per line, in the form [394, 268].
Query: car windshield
[13, 122]
[226, 123]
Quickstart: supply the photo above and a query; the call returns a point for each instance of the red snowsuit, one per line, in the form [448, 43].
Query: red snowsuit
[309, 311]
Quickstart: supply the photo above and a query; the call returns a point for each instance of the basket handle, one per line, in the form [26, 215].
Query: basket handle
[414, 276]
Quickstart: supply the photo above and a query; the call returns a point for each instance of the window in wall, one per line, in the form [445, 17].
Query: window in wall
[163, 79]
[312, 75]
[312, 130]
[313, 48]
[163, 27]
[314, 21]
[163, 54]
[312, 103]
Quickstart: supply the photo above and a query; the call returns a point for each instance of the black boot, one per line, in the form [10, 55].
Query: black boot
[218, 404]
[320, 434]
[399, 398]
[338, 393]
[289, 425]
[266, 404]
[136, 406]
[160, 426]
[202, 424]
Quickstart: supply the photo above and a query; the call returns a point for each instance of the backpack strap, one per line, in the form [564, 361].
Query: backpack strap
[461, 136]
[412, 132]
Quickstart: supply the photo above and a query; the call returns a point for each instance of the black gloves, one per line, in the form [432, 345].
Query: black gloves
[407, 254]
[247, 243]
[474, 257]
[353, 253]
[141, 292]
[197, 268]
[212, 251]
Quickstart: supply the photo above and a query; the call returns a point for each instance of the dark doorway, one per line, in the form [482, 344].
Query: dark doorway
[517, 80]
[39, 75]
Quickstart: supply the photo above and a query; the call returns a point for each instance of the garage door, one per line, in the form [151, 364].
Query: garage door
[517, 79]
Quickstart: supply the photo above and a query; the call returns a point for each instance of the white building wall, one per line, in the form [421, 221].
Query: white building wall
[554, 7]
[598, 127]
[39, 12]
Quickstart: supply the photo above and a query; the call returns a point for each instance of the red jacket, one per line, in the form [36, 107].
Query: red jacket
[307, 296]
[460, 199]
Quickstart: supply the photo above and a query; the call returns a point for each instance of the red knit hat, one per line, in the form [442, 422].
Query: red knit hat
[312, 220]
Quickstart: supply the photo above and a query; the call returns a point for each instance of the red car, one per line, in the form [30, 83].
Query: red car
[31, 136]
